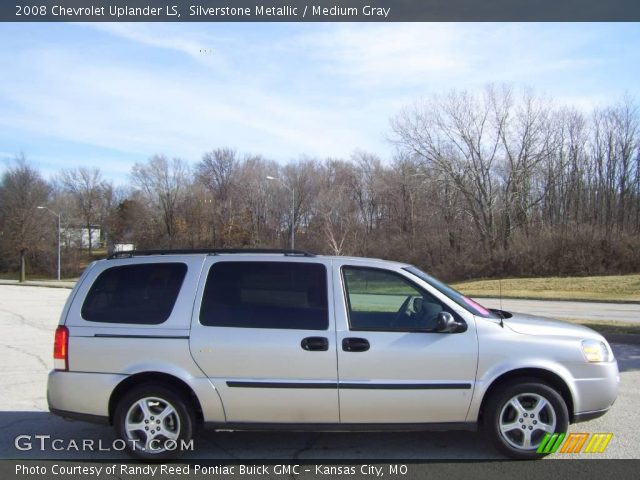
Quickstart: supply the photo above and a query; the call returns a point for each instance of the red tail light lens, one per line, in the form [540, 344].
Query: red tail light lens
[61, 348]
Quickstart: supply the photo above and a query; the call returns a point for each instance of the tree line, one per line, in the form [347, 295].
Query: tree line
[497, 182]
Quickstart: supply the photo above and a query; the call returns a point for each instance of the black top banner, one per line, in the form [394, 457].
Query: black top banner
[319, 11]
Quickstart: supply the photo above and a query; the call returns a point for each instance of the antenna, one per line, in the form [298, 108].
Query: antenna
[501, 315]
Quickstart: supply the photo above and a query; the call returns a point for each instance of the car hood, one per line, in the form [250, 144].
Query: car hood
[534, 325]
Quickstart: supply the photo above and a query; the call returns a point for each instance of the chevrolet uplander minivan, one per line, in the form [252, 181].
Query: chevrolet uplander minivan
[160, 343]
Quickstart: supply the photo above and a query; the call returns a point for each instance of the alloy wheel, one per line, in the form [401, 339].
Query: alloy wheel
[525, 419]
[152, 424]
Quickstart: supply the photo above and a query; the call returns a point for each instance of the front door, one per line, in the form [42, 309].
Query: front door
[392, 365]
[264, 334]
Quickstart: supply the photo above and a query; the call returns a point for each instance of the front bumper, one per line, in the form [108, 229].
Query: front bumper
[596, 389]
[586, 416]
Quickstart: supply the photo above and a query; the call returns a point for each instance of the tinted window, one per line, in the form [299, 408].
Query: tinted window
[266, 295]
[384, 300]
[142, 294]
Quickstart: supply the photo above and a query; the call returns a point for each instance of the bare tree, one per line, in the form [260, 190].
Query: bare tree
[22, 190]
[493, 182]
[163, 184]
[216, 171]
[336, 209]
[254, 195]
[461, 136]
[526, 137]
[627, 142]
[90, 193]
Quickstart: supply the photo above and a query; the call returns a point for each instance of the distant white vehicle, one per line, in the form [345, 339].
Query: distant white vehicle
[78, 237]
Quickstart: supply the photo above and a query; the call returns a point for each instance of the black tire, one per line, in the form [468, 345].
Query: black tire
[501, 412]
[159, 399]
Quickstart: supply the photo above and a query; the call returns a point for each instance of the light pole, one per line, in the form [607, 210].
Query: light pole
[293, 208]
[57, 215]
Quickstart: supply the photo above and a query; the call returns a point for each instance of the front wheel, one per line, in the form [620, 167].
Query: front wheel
[154, 422]
[519, 416]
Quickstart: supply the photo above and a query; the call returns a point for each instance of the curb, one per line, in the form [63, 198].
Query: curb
[28, 283]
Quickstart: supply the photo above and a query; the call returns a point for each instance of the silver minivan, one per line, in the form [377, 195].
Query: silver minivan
[160, 343]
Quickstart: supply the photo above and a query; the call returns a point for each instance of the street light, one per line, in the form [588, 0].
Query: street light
[293, 207]
[57, 215]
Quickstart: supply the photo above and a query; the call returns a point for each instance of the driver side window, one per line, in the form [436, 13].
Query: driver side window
[385, 301]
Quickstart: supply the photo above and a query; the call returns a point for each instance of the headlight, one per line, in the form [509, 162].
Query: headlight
[595, 351]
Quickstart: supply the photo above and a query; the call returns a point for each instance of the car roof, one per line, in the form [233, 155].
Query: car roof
[244, 253]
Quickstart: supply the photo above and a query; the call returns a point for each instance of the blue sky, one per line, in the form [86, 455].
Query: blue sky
[109, 95]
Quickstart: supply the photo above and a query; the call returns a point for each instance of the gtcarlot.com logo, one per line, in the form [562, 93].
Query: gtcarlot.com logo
[47, 443]
[574, 443]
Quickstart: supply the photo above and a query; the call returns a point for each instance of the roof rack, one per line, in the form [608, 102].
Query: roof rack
[209, 251]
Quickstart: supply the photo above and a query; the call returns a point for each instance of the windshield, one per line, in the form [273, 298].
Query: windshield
[465, 302]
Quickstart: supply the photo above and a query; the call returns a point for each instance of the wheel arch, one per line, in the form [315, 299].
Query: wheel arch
[141, 378]
[545, 376]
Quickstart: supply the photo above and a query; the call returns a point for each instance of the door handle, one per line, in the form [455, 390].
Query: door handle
[355, 344]
[315, 344]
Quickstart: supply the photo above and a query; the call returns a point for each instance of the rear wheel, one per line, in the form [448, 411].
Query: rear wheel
[519, 416]
[154, 422]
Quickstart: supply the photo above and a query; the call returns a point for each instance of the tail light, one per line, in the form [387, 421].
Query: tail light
[61, 348]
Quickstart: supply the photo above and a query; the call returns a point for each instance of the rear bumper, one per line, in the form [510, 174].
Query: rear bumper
[83, 417]
[82, 396]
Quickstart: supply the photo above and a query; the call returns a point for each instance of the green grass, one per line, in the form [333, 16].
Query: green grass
[359, 285]
[376, 302]
[604, 288]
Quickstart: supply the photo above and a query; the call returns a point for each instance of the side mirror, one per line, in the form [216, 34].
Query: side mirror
[446, 323]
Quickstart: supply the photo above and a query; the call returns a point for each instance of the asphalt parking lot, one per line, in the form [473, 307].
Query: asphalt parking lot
[29, 315]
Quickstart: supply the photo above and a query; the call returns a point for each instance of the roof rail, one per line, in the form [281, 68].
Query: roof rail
[209, 251]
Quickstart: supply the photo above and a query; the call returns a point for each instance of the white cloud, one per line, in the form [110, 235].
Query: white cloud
[437, 55]
[320, 89]
[137, 110]
[164, 36]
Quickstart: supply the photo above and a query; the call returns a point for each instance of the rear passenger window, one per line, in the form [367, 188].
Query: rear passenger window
[140, 294]
[284, 295]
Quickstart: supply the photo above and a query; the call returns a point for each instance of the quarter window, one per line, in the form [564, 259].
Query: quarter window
[138, 294]
[280, 295]
[384, 300]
